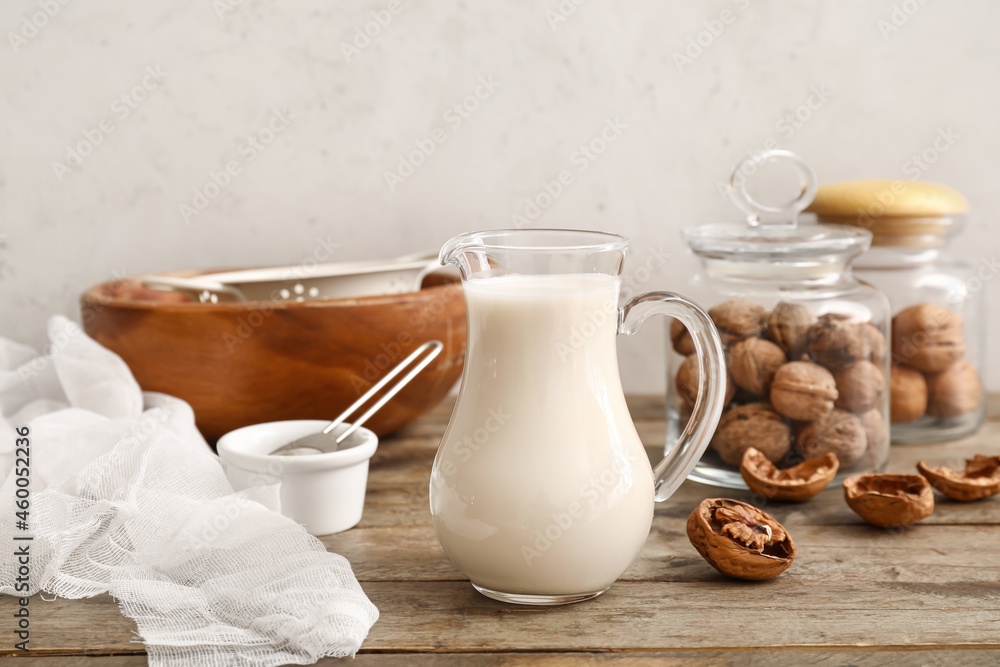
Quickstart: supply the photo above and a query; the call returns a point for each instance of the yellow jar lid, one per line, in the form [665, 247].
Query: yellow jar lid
[887, 198]
[897, 212]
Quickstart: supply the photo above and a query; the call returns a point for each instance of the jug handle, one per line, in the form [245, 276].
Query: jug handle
[678, 463]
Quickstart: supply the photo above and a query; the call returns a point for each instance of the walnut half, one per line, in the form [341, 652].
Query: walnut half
[740, 540]
[796, 484]
[889, 500]
[980, 479]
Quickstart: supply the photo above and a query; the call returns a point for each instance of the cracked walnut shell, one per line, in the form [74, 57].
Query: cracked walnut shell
[980, 479]
[889, 500]
[803, 391]
[796, 484]
[739, 540]
[737, 319]
[751, 425]
[753, 363]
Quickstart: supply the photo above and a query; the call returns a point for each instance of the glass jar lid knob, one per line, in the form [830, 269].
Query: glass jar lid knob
[762, 215]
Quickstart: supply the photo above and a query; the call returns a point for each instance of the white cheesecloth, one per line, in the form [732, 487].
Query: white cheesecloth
[128, 499]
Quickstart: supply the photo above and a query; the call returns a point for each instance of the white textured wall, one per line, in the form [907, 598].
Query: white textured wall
[223, 70]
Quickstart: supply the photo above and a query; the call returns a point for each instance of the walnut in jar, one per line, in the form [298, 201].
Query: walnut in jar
[955, 391]
[836, 341]
[787, 326]
[753, 363]
[876, 430]
[928, 337]
[681, 339]
[840, 433]
[737, 319]
[688, 376]
[908, 394]
[804, 391]
[874, 343]
[751, 425]
[861, 386]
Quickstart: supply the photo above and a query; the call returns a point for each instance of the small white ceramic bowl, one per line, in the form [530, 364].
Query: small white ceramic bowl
[323, 492]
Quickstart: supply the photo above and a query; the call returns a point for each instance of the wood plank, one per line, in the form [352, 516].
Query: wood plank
[713, 613]
[744, 658]
[860, 554]
[88, 625]
[649, 616]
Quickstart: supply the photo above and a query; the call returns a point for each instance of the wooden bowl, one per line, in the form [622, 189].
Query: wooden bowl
[253, 362]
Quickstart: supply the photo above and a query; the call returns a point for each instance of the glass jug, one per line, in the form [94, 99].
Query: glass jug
[541, 491]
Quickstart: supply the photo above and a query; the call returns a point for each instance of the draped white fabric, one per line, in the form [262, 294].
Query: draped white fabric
[128, 499]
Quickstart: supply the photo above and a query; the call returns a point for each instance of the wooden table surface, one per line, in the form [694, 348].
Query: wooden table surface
[857, 595]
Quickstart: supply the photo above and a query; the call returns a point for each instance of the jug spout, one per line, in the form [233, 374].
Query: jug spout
[453, 249]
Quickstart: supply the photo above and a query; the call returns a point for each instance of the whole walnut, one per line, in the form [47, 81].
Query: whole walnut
[681, 339]
[928, 337]
[954, 392]
[875, 428]
[787, 325]
[839, 432]
[752, 364]
[752, 425]
[803, 391]
[687, 379]
[860, 386]
[737, 319]
[874, 342]
[836, 341]
[908, 394]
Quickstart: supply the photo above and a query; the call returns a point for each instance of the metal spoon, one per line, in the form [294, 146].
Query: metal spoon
[323, 442]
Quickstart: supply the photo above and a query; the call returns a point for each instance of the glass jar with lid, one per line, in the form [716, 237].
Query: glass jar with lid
[938, 328]
[806, 342]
